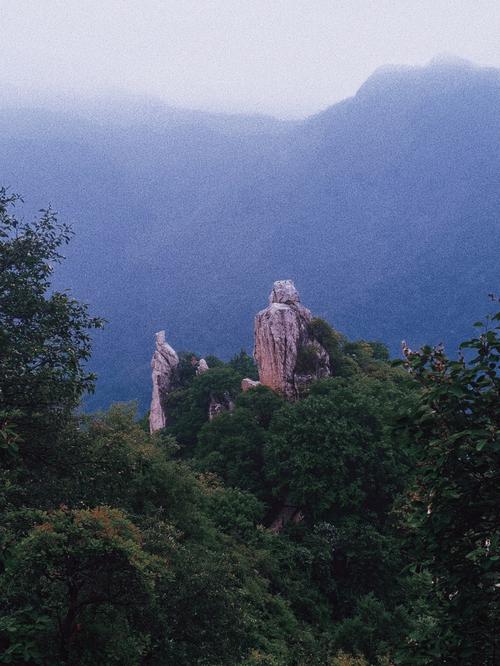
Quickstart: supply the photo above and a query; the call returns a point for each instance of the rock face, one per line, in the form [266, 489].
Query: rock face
[201, 367]
[287, 355]
[164, 365]
[247, 384]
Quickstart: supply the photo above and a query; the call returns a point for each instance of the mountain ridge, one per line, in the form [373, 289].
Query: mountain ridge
[371, 206]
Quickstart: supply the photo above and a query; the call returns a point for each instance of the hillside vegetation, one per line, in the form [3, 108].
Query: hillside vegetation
[118, 547]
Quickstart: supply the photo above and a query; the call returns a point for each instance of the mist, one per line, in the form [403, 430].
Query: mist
[287, 58]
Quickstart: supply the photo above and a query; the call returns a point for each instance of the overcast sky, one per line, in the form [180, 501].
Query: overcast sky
[289, 58]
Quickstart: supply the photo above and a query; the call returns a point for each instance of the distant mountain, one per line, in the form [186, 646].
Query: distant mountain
[384, 209]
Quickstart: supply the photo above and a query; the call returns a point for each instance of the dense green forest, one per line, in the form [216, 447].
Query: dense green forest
[121, 547]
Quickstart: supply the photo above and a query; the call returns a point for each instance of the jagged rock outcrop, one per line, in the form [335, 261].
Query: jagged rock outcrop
[164, 365]
[201, 367]
[247, 384]
[287, 355]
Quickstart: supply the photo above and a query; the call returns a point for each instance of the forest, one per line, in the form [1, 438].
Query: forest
[118, 547]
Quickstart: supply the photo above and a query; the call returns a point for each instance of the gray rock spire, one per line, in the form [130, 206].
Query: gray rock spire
[284, 344]
[163, 364]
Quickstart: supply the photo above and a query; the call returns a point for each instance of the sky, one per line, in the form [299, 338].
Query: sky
[287, 58]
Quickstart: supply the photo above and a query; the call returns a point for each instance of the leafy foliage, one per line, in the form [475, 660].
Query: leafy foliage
[188, 407]
[244, 365]
[44, 334]
[348, 357]
[357, 526]
[452, 511]
[77, 571]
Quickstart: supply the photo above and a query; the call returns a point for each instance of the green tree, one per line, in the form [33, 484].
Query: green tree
[453, 508]
[333, 452]
[44, 334]
[232, 510]
[347, 357]
[334, 456]
[262, 402]
[72, 577]
[232, 446]
[188, 406]
[244, 365]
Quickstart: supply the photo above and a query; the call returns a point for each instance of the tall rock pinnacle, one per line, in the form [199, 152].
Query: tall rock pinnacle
[164, 364]
[286, 354]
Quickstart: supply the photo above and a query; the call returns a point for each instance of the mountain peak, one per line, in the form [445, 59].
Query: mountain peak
[442, 71]
[450, 61]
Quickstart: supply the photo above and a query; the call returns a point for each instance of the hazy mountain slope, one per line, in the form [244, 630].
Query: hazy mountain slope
[384, 209]
[403, 196]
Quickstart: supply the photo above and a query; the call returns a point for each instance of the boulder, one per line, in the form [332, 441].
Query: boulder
[247, 384]
[201, 367]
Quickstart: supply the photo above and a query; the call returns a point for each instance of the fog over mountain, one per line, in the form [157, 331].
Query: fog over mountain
[384, 209]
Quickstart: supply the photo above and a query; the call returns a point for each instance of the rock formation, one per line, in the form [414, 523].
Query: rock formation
[201, 367]
[164, 364]
[287, 355]
[247, 384]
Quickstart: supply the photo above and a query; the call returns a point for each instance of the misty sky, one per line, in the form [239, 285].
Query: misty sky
[289, 58]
